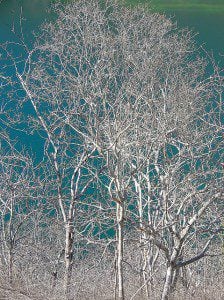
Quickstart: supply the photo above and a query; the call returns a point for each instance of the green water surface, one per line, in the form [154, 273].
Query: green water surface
[210, 6]
[205, 17]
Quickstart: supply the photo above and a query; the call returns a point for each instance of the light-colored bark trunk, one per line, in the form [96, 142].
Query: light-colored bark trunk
[144, 274]
[10, 265]
[115, 279]
[144, 287]
[144, 281]
[120, 238]
[68, 260]
[168, 283]
[171, 270]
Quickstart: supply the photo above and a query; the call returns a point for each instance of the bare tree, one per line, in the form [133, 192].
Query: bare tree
[65, 156]
[181, 185]
[120, 98]
[19, 201]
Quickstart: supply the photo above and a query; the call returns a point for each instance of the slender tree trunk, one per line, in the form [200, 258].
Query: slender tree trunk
[142, 239]
[145, 277]
[176, 274]
[68, 259]
[115, 279]
[168, 283]
[120, 275]
[10, 265]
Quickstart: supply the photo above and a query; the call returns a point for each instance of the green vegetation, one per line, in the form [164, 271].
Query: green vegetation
[213, 6]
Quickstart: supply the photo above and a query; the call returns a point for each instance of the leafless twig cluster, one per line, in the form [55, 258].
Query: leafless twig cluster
[126, 197]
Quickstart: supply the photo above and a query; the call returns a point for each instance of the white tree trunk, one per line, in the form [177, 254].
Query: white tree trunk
[10, 264]
[142, 240]
[68, 259]
[168, 283]
[120, 216]
[145, 255]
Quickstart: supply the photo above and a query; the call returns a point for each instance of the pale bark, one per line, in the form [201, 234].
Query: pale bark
[120, 241]
[143, 238]
[11, 264]
[134, 97]
[168, 283]
[68, 259]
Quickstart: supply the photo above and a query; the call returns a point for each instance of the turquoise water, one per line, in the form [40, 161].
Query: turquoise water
[208, 25]
[209, 28]
[33, 13]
